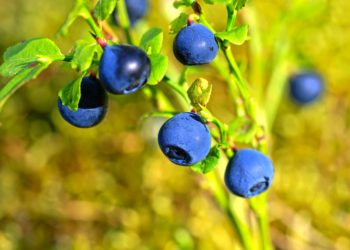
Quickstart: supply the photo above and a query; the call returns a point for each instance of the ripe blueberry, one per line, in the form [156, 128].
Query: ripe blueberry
[92, 106]
[124, 69]
[249, 173]
[136, 10]
[185, 139]
[306, 87]
[194, 45]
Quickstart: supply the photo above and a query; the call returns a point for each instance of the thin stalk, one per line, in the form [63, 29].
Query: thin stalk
[124, 20]
[223, 200]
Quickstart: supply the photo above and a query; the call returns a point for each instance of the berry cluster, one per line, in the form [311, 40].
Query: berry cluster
[123, 69]
[185, 138]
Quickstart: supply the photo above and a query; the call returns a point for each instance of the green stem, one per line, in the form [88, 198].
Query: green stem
[223, 200]
[92, 23]
[124, 20]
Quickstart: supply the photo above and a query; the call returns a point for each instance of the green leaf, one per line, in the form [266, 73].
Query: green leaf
[240, 4]
[209, 163]
[21, 78]
[238, 35]
[183, 3]
[152, 41]
[242, 130]
[199, 93]
[29, 54]
[104, 9]
[83, 55]
[80, 10]
[159, 67]
[178, 23]
[218, 1]
[70, 94]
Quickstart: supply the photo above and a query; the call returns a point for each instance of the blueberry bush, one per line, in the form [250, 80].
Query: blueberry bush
[171, 71]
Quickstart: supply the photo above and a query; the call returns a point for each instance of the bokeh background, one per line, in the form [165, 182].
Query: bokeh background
[111, 188]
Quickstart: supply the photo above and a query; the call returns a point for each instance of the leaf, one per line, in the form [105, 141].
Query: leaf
[209, 163]
[152, 41]
[242, 130]
[70, 94]
[218, 1]
[80, 10]
[104, 9]
[182, 3]
[238, 35]
[28, 54]
[83, 55]
[20, 79]
[178, 23]
[240, 4]
[159, 67]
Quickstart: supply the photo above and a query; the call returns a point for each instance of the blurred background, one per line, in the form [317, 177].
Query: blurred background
[110, 187]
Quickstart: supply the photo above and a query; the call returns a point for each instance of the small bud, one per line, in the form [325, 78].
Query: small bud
[199, 93]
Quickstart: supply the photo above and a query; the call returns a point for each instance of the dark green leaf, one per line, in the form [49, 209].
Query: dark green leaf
[80, 10]
[218, 1]
[158, 70]
[29, 54]
[83, 55]
[70, 94]
[238, 35]
[183, 3]
[240, 4]
[104, 8]
[209, 163]
[152, 41]
[178, 23]
[19, 79]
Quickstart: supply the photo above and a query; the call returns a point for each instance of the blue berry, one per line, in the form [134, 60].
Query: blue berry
[249, 173]
[306, 87]
[185, 139]
[195, 45]
[124, 69]
[92, 106]
[136, 10]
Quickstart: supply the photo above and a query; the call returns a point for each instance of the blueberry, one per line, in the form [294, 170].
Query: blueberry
[249, 173]
[92, 106]
[136, 10]
[185, 139]
[124, 69]
[195, 45]
[306, 87]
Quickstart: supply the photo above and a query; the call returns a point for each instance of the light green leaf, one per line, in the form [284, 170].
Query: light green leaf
[159, 68]
[70, 94]
[183, 3]
[209, 163]
[80, 10]
[238, 35]
[83, 55]
[20, 79]
[178, 23]
[104, 9]
[242, 130]
[218, 1]
[29, 54]
[152, 41]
